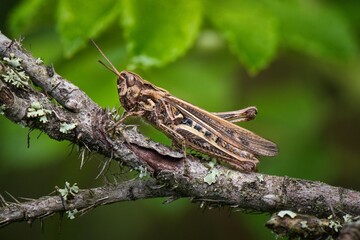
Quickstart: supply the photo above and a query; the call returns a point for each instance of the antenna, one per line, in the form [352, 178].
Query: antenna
[112, 68]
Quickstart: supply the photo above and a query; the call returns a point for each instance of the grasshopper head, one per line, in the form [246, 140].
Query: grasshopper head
[129, 87]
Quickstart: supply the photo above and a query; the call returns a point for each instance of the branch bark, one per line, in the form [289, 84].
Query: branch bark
[84, 200]
[183, 177]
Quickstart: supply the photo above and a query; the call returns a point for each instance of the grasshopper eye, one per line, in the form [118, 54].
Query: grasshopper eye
[129, 78]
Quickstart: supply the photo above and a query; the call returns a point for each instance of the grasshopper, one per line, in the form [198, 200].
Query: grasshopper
[213, 134]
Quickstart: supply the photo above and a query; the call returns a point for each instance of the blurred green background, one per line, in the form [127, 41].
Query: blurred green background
[297, 61]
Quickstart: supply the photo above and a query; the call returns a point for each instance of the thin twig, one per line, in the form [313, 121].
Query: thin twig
[85, 199]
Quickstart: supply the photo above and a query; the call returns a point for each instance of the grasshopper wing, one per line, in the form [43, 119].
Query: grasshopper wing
[227, 131]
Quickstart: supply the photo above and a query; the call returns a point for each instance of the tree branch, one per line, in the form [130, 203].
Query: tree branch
[82, 201]
[86, 125]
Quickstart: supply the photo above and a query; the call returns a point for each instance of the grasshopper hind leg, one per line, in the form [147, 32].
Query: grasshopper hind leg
[245, 166]
[179, 143]
[241, 115]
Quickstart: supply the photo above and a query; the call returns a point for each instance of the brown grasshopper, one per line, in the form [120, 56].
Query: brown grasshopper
[213, 134]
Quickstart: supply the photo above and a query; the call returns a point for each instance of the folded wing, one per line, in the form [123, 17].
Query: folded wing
[227, 131]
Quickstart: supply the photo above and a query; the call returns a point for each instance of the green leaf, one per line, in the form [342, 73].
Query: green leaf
[79, 20]
[30, 14]
[315, 29]
[158, 32]
[250, 29]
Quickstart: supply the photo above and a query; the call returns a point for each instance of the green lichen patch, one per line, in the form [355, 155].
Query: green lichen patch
[213, 173]
[334, 223]
[71, 213]
[36, 110]
[286, 213]
[261, 178]
[114, 114]
[349, 218]
[13, 61]
[68, 192]
[16, 78]
[143, 172]
[39, 61]
[13, 71]
[67, 127]
[304, 224]
[2, 109]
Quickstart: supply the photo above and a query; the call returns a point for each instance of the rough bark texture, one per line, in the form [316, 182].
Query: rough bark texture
[83, 201]
[182, 177]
